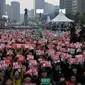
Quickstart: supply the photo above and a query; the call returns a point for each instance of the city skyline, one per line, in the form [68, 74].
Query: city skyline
[24, 4]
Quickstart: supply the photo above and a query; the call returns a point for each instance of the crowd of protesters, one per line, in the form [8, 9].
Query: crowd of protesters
[39, 57]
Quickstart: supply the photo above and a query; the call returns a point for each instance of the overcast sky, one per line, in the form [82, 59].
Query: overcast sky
[29, 3]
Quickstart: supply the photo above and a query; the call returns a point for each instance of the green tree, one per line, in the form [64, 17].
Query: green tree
[77, 17]
[83, 18]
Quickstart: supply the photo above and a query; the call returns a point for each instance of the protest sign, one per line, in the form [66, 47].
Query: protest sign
[4, 63]
[17, 65]
[45, 81]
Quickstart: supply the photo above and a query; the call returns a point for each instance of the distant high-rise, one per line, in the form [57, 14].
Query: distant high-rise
[22, 17]
[62, 4]
[68, 6]
[8, 11]
[83, 6]
[2, 7]
[38, 4]
[31, 14]
[78, 6]
[50, 8]
[15, 6]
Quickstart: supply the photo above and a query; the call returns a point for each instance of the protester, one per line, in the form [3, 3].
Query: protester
[8, 82]
[73, 80]
[27, 80]
[40, 57]
[62, 80]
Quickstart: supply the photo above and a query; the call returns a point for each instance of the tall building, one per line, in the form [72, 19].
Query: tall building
[83, 6]
[15, 6]
[78, 6]
[22, 17]
[50, 8]
[2, 7]
[38, 4]
[68, 6]
[8, 10]
[62, 4]
[31, 14]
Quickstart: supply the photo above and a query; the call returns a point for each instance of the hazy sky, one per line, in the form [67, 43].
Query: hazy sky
[29, 3]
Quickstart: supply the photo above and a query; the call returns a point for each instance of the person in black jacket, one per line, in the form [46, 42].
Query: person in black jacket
[62, 80]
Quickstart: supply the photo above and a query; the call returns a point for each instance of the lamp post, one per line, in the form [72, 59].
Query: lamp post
[40, 12]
